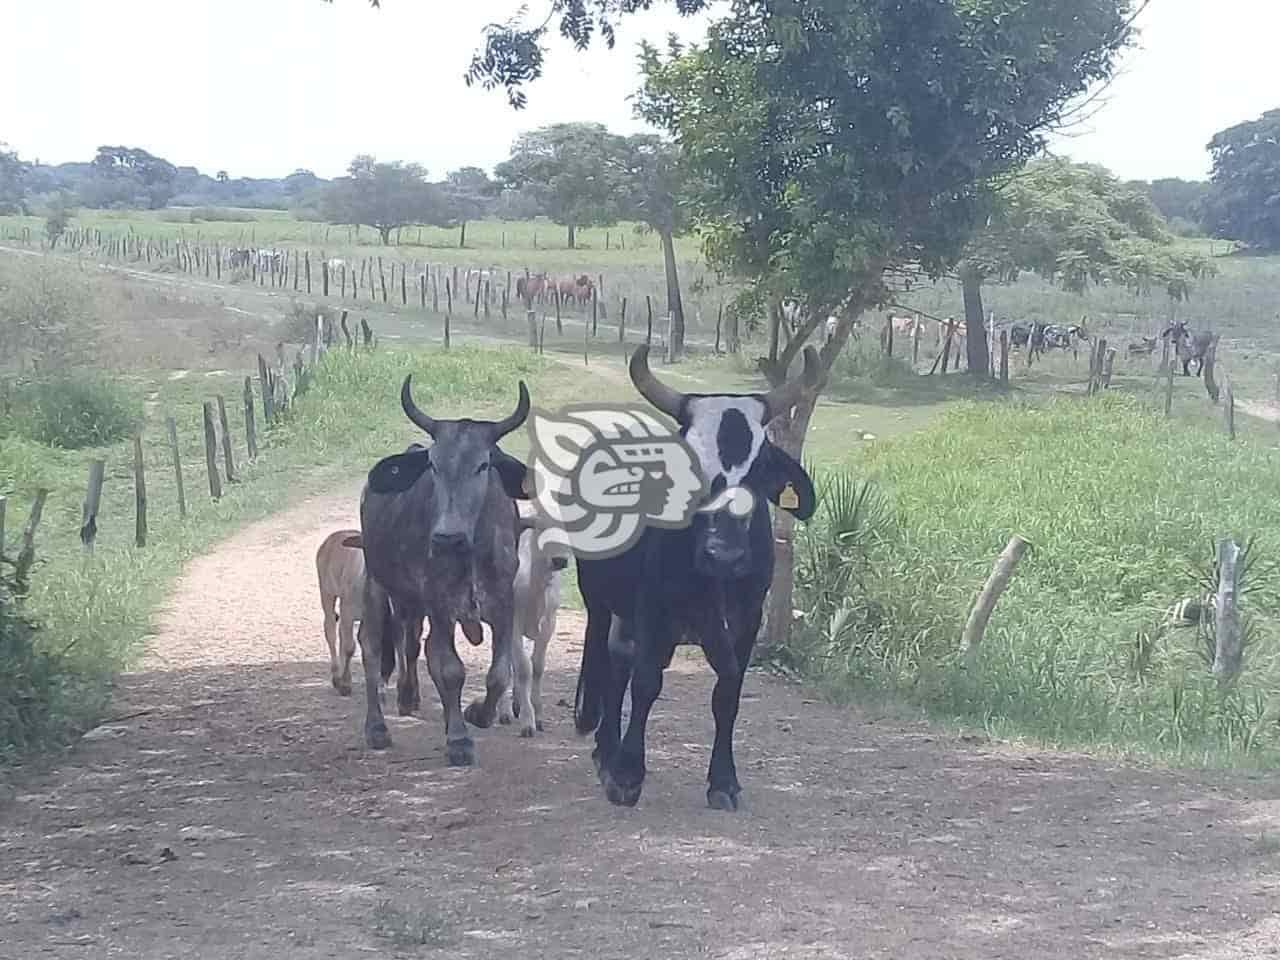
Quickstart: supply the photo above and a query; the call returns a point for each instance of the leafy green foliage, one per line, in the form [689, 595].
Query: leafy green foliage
[1076, 225]
[1244, 203]
[835, 141]
[13, 177]
[1178, 200]
[74, 409]
[130, 176]
[384, 196]
[576, 171]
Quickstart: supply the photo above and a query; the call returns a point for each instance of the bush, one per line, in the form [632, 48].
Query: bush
[47, 311]
[220, 215]
[35, 687]
[73, 410]
[299, 324]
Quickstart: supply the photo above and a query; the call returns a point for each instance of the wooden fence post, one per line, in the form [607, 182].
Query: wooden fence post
[622, 322]
[27, 554]
[486, 297]
[531, 319]
[975, 626]
[946, 346]
[1004, 357]
[915, 342]
[1108, 363]
[177, 466]
[1230, 404]
[268, 397]
[92, 500]
[648, 306]
[211, 452]
[366, 332]
[1168, 389]
[719, 323]
[139, 492]
[3, 504]
[226, 439]
[559, 326]
[250, 426]
[1228, 635]
[595, 311]
[422, 291]
[448, 335]
[448, 293]
[382, 281]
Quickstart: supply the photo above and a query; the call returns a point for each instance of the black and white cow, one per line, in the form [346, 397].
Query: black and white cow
[702, 584]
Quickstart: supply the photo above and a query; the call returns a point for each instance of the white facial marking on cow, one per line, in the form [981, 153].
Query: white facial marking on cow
[705, 436]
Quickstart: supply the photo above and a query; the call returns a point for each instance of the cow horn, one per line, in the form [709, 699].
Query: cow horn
[411, 409]
[657, 393]
[786, 395]
[503, 427]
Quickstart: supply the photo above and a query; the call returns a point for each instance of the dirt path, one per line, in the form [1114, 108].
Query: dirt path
[240, 817]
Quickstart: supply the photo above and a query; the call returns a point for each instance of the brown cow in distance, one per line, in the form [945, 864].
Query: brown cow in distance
[533, 288]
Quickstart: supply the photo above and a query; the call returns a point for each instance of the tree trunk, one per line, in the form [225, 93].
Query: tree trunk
[789, 435]
[462, 237]
[674, 303]
[975, 319]
[573, 236]
[385, 233]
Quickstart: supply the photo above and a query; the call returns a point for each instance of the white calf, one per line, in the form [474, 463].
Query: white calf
[537, 599]
[340, 570]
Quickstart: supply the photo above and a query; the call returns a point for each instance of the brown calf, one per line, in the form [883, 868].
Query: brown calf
[340, 570]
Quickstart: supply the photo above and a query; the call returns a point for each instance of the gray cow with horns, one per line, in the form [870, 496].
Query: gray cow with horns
[439, 528]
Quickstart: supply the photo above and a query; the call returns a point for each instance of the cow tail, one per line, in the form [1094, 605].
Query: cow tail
[389, 633]
[593, 675]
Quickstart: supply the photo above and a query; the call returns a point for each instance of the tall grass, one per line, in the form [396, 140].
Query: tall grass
[91, 611]
[1123, 509]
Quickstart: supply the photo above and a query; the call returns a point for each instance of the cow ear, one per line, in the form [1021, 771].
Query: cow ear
[786, 483]
[512, 473]
[355, 540]
[398, 473]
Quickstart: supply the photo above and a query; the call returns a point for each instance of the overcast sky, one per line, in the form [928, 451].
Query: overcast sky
[261, 87]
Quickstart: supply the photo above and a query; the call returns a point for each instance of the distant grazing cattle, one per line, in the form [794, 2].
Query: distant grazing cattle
[532, 288]
[1143, 348]
[1188, 346]
[239, 257]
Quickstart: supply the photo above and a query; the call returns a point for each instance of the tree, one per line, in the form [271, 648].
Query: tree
[574, 169]
[469, 194]
[656, 181]
[384, 196]
[132, 175]
[1074, 225]
[843, 147]
[1179, 201]
[58, 213]
[1244, 202]
[13, 181]
[222, 176]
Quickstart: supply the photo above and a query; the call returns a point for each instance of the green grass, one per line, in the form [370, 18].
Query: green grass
[94, 610]
[1122, 508]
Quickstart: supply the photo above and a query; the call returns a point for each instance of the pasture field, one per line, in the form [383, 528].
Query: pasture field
[176, 338]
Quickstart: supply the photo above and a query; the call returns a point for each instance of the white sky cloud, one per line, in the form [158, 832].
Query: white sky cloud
[261, 87]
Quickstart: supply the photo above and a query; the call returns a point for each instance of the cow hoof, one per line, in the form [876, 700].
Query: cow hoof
[461, 753]
[343, 686]
[505, 718]
[526, 733]
[541, 726]
[722, 799]
[476, 716]
[620, 794]
[378, 737]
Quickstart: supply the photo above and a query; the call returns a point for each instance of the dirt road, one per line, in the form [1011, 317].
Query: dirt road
[236, 814]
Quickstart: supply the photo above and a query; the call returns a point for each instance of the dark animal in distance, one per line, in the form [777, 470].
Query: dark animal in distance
[704, 584]
[1188, 346]
[1143, 348]
[439, 528]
